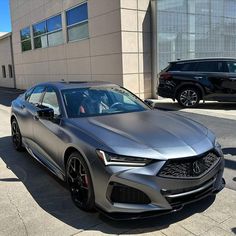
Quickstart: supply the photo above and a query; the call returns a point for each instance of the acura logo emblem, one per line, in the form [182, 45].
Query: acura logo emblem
[196, 168]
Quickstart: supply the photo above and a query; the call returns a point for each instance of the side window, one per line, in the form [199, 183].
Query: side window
[208, 66]
[182, 66]
[231, 66]
[189, 67]
[36, 95]
[50, 100]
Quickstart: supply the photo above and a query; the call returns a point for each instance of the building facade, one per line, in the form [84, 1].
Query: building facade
[195, 29]
[123, 41]
[108, 40]
[7, 78]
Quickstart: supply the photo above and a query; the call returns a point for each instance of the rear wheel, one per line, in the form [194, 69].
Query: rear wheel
[188, 97]
[80, 182]
[16, 136]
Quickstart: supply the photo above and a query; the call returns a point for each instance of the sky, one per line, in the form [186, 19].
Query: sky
[5, 19]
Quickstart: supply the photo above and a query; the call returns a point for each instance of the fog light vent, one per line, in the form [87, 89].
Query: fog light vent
[125, 194]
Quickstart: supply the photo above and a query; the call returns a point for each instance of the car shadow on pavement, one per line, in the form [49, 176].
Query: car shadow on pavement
[7, 95]
[174, 106]
[53, 197]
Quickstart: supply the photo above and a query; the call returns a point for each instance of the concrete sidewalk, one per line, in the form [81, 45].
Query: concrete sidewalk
[34, 202]
[216, 109]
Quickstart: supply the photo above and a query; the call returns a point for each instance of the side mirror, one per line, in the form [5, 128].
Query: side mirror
[46, 114]
[149, 103]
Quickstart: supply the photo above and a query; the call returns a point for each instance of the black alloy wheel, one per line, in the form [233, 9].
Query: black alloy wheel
[80, 182]
[188, 97]
[16, 136]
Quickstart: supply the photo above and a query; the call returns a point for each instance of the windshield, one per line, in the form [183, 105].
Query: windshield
[98, 101]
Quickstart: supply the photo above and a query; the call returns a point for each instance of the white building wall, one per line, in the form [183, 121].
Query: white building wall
[5, 60]
[106, 55]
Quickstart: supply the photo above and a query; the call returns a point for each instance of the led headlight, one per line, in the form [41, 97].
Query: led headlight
[113, 159]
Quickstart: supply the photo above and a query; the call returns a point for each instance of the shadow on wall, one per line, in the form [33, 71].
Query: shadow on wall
[53, 197]
[145, 54]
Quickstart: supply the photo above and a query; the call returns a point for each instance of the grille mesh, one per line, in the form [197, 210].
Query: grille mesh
[189, 167]
[124, 194]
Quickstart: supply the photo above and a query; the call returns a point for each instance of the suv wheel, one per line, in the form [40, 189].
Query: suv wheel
[188, 97]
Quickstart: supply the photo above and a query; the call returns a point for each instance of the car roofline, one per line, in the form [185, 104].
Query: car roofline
[204, 59]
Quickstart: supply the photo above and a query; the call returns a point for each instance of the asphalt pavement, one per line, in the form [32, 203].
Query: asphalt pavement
[34, 202]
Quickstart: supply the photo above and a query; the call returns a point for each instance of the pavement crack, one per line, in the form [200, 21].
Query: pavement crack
[18, 213]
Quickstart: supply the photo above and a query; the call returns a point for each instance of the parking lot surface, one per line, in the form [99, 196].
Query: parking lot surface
[34, 202]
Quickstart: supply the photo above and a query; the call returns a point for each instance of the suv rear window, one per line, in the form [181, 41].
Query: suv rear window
[180, 66]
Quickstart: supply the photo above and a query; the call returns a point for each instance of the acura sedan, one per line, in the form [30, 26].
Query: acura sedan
[116, 153]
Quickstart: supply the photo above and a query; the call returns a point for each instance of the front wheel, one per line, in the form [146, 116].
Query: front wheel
[16, 136]
[80, 182]
[188, 97]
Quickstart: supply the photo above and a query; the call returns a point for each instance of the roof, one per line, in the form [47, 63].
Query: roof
[4, 35]
[204, 59]
[78, 84]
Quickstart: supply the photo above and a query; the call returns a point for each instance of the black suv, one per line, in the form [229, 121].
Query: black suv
[190, 81]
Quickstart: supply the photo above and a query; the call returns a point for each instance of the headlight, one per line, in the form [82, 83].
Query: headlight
[113, 159]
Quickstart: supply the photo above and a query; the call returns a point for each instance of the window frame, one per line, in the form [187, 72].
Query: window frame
[75, 24]
[48, 32]
[25, 40]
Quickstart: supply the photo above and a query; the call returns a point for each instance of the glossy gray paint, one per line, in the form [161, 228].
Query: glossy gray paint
[149, 134]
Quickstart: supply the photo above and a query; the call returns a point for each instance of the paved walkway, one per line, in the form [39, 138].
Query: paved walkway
[33, 202]
[216, 109]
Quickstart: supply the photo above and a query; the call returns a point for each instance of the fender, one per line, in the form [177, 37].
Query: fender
[189, 83]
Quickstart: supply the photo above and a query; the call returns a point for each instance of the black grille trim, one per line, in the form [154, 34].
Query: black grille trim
[124, 194]
[194, 167]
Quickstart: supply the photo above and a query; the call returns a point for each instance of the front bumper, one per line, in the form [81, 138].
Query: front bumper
[165, 194]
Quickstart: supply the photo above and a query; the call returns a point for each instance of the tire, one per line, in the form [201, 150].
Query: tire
[188, 97]
[16, 136]
[80, 182]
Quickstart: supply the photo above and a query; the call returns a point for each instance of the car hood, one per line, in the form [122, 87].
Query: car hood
[150, 134]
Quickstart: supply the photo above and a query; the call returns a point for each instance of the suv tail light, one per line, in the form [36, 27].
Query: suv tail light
[165, 76]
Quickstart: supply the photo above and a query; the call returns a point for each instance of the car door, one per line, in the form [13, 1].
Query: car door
[216, 78]
[47, 133]
[230, 85]
[26, 113]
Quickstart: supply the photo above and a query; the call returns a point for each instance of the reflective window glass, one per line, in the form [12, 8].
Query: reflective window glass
[50, 100]
[39, 28]
[36, 95]
[54, 23]
[77, 14]
[25, 33]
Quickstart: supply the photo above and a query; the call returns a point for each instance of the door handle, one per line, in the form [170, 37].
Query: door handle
[198, 77]
[22, 106]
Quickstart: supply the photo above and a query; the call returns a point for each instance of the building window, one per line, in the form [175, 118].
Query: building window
[3, 72]
[77, 22]
[25, 39]
[48, 33]
[10, 71]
